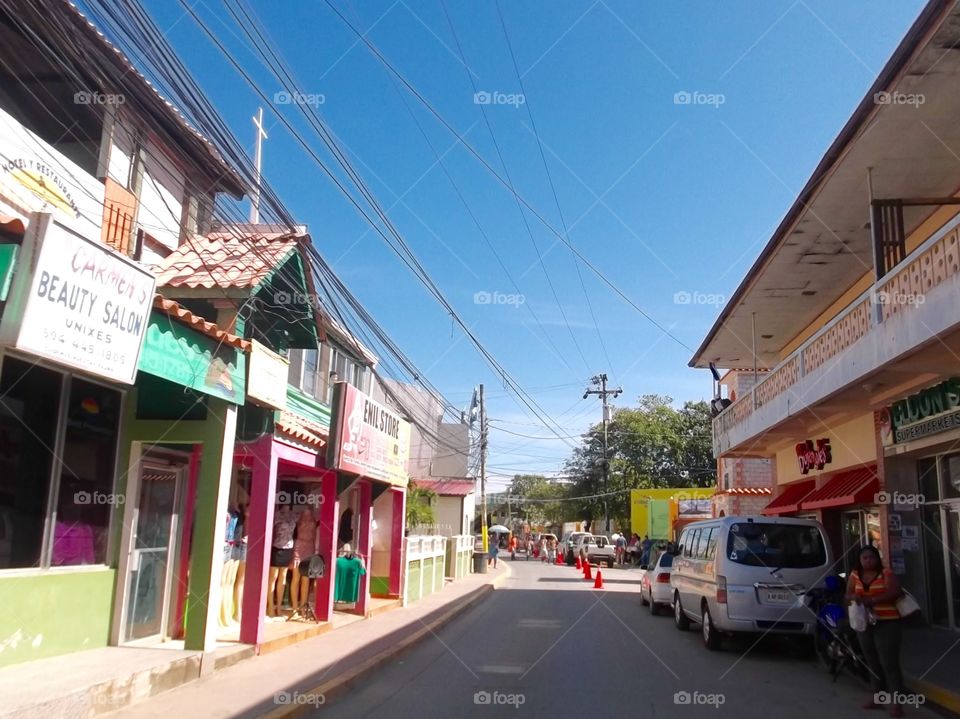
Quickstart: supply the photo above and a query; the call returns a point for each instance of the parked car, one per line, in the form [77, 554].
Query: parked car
[748, 574]
[655, 591]
[569, 541]
[599, 550]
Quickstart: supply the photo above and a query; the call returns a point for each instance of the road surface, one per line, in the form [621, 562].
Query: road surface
[546, 644]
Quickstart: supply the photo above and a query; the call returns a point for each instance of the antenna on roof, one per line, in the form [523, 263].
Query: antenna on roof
[257, 156]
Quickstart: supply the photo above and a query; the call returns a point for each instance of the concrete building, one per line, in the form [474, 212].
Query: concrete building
[854, 300]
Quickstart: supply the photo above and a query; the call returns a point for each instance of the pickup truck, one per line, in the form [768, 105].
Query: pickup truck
[597, 549]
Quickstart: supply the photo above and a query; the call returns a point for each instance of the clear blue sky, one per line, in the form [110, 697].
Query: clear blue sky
[664, 197]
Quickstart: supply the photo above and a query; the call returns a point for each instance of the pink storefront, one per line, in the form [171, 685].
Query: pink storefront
[309, 493]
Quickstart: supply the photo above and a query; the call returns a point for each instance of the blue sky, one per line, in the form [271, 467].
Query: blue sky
[670, 199]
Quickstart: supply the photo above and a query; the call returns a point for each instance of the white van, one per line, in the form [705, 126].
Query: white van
[748, 574]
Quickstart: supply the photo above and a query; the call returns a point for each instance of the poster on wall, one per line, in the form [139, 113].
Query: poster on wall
[689, 508]
[367, 439]
[78, 303]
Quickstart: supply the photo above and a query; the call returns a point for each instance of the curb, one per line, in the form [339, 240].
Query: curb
[341, 682]
[940, 696]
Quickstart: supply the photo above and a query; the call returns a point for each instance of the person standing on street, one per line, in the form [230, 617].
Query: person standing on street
[877, 589]
[494, 551]
[513, 548]
[645, 549]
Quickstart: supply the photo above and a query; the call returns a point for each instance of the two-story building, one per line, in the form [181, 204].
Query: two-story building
[110, 392]
[854, 305]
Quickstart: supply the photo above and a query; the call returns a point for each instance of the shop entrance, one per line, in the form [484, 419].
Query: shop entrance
[153, 554]
[860, 528]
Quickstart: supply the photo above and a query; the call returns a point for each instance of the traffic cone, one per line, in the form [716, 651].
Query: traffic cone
[578, 565]
[587, 573]
[598, 584]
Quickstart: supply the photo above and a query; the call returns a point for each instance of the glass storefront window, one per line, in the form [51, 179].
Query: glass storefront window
[951, 477]
[86, 496]
[56, 487]
[29, 406]
[929, 481]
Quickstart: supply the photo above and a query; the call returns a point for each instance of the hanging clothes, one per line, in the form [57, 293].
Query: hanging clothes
[347, 579]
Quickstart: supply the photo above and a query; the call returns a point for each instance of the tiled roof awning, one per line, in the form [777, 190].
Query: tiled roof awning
[447, 487]
[302, 429]
[855, 486]
[225, 261]
[182, 314]
[790, 498]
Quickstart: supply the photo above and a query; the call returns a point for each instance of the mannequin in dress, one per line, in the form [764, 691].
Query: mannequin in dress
[229, 574]
[281, 556]
[304, 547]
[240, 554]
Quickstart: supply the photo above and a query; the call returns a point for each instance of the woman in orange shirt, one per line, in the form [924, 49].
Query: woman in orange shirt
[877, 588]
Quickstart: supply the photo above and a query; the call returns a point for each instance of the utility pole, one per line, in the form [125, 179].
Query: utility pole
[483, 471]
[257, 157]
[601, 381]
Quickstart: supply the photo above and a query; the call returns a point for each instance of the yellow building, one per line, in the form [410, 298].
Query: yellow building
[658, 513]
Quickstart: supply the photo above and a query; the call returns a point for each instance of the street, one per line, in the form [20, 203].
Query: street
[548, 645]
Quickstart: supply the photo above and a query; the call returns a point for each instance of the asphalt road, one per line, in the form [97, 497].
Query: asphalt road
[546, 644]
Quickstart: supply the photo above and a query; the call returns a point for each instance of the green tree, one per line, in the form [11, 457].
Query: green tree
[419, 506]
[651, 445]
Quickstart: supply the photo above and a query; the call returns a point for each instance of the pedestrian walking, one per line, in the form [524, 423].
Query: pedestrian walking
[543, 549]
[513, 548]
[621, 548]
[877, 588]
[529, 547]
[494, 551]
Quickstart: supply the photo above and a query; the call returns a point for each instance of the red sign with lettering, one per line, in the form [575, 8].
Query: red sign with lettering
[813, 457]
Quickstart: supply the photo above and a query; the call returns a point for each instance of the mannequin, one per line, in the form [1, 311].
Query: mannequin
[229, 574]
[240, 555]
[281, 557]
[304, 547]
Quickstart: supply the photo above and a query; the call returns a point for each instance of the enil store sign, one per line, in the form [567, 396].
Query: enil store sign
[367, 438]
[78, 303]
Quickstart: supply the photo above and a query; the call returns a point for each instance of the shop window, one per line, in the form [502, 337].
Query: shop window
[929, 483]
[86, 498]
[29, 406]
[951, 477]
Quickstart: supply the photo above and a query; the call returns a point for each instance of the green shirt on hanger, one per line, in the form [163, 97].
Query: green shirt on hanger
[346, 586]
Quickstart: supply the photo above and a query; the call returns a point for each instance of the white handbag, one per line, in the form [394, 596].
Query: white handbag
[907, 605]
[857, 616]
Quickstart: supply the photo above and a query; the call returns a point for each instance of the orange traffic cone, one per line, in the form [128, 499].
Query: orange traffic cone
[587, 573]
[578, 565]
[598, 584]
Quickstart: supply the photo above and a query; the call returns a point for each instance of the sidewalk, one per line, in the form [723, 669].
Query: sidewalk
[315, 669]
[147, 682]
[930, 660]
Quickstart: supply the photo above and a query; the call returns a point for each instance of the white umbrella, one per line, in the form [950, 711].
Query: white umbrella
[498, 529]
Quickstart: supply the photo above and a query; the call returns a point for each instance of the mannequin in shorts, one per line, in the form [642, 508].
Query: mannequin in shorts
[281, 557]
[304, 547]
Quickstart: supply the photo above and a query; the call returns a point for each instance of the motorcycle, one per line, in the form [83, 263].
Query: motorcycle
[835, 643]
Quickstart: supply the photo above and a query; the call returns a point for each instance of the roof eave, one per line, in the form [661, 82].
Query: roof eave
[925, 25]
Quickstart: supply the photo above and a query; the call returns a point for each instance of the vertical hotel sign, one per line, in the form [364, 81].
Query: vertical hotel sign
[78, 303]
[367, 438]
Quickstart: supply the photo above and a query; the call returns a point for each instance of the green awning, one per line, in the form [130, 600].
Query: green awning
[188, 358]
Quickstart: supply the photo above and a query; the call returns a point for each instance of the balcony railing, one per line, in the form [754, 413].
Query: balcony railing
[901, 291]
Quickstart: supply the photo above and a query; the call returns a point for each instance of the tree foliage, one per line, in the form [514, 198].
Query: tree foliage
[651, 445]
[419, 506]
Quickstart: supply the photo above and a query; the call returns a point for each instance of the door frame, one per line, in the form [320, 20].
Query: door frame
[139, 460]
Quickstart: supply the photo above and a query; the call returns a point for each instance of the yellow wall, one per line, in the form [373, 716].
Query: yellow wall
[933, 223]
[851, 443]
[640, 503]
